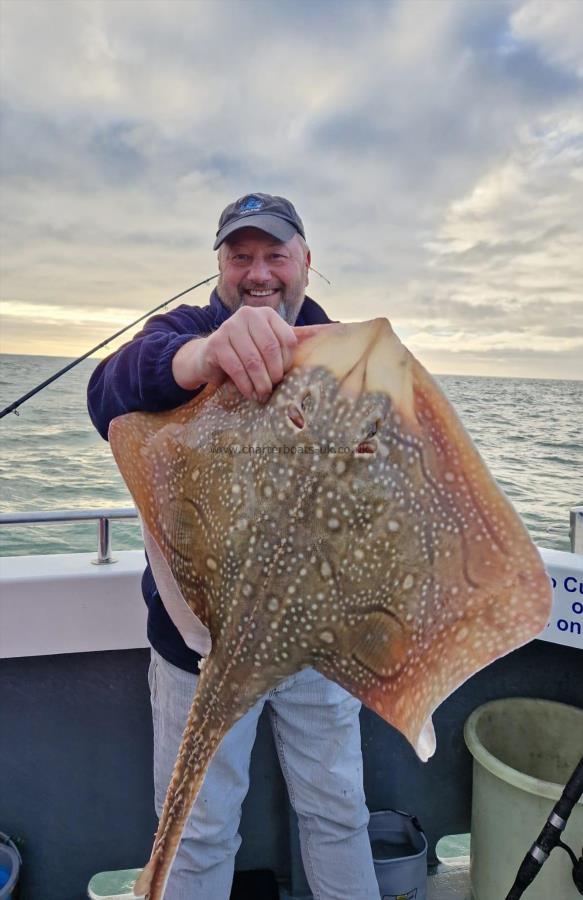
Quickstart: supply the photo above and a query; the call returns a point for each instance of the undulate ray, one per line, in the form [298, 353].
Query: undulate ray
[349, 524]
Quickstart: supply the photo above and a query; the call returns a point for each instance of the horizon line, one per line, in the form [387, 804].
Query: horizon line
[434, 372]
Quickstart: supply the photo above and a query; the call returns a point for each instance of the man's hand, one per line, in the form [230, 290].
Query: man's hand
[254, 348]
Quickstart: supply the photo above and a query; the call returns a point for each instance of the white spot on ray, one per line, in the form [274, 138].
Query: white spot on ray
[462, 634]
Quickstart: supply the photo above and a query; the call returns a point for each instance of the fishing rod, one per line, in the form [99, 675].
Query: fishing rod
[550, 837]
[13, 407]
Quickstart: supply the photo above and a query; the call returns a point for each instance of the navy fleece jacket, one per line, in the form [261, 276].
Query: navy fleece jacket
[139, 377]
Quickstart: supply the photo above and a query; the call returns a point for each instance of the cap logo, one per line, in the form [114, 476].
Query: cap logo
[249, 203]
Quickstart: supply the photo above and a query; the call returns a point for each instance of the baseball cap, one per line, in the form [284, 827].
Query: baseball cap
[275, 215]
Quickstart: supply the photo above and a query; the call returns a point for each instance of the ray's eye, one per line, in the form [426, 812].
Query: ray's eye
[296, 412]
[295, 415]
[369, 444]
[307, 403]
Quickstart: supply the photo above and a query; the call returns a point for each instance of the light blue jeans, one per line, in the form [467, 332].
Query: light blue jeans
[317, 735]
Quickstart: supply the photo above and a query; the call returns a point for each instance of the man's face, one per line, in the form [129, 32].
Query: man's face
[258, 270]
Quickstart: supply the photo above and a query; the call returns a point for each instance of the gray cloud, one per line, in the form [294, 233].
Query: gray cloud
[437, 169]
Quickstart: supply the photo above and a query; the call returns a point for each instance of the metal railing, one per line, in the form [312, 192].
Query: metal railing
[576, 529]
[101, 516]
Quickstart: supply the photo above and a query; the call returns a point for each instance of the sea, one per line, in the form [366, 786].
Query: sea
[528, 430]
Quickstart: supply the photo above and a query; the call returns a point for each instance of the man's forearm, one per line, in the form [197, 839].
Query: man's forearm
[138, 377]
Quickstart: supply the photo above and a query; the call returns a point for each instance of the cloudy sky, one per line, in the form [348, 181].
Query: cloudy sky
[433, 149]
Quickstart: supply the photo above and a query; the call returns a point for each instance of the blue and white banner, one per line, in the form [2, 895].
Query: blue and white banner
[565, 625]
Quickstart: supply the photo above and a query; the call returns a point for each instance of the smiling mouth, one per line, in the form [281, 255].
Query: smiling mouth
[261, 294]
[266, 292]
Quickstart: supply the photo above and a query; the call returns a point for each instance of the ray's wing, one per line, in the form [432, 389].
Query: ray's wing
[449, 579]
[156, 463]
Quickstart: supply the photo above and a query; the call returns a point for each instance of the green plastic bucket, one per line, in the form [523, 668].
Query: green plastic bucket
[399, 852]
[10, 863]
[117, 885]
[524, 752]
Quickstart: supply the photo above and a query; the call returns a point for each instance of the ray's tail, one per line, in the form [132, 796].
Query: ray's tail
[207, 723]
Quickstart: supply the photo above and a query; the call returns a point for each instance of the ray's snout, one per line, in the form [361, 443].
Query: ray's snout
[365, 358]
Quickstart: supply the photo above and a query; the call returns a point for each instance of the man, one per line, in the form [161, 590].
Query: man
[246, 335]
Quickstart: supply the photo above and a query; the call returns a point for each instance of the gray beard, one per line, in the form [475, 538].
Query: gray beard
[282, 310]
[286, 314]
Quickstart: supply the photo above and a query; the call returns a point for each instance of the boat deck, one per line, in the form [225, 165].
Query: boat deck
[450, 880]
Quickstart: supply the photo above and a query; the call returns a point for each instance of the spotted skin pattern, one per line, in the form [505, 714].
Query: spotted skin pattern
[349, 524]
